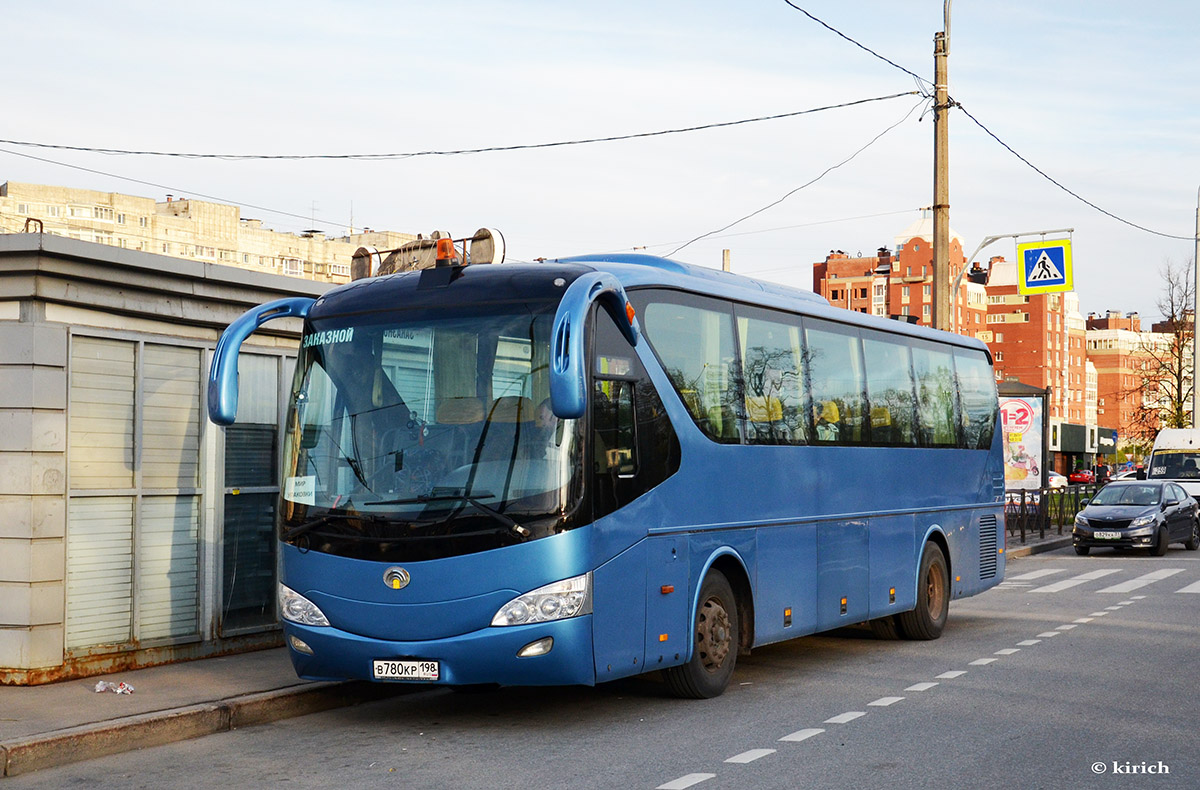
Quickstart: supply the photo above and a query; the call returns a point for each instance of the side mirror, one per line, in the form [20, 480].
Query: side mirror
[1141, 474]
[1084, 503]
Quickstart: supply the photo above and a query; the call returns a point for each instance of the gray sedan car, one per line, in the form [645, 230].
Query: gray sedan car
[1128, 514]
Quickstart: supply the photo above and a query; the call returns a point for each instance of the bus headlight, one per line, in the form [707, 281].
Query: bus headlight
[295, 607]
[557, 601]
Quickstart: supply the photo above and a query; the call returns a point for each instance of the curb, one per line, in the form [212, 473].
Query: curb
[89, 741]
[1038, 548]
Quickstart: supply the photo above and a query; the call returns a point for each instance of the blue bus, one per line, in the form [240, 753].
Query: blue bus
[577, 470]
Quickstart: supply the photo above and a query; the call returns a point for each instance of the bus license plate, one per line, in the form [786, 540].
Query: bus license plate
[406, 670]
[1103, 534]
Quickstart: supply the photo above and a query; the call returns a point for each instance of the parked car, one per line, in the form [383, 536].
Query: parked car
[1128, 474]
[1129, 514]
[1055, 480]
[1082, 476]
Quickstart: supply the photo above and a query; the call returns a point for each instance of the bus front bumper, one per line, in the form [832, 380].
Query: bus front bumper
[486, 656]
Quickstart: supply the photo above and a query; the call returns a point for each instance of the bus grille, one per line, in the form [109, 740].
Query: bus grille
[987, 547]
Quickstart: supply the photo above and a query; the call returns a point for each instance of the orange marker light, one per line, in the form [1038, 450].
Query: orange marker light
[445, 249]
[629, 313]
[667, 589]
[662, 637]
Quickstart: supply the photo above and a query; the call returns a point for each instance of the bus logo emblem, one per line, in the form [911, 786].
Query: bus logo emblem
[396, 578]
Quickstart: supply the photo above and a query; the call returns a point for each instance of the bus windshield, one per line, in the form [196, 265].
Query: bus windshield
[1175, 465]
[422, 434]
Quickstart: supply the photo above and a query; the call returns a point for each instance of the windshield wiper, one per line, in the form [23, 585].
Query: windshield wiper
[507, 521]
[326, 518]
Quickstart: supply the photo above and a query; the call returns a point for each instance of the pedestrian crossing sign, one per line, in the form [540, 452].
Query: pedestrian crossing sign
[1045, 267]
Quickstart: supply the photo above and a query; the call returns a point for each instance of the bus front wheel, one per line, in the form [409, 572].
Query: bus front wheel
[933, 597]
[714, 655]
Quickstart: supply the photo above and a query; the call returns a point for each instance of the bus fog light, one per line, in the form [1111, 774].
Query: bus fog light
[295, 607]
[557, 601]
[300, 646]
[539, 648]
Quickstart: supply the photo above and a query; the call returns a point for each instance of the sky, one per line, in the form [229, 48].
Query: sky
[1101, 96]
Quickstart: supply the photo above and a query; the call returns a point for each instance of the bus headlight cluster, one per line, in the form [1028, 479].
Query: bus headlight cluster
[295, 607]
[557, 601]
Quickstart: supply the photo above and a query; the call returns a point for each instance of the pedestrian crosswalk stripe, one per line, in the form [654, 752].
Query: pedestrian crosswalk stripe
[1024, 577]
[1191, 588]
[1076, 580]
[1142, 581]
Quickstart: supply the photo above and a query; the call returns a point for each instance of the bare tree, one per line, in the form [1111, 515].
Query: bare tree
[1162, 394]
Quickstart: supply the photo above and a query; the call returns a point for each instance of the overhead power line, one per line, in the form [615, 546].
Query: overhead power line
[824, 173]
[1073, 194]
[861, 46]
[489, 149]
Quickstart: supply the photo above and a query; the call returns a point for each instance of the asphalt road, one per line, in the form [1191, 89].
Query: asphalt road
[1077, 672]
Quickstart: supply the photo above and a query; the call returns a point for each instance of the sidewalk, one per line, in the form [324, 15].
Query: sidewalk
[59, 723]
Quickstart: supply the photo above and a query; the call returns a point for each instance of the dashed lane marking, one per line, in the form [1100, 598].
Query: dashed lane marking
[954, 673]
[1029, 642]
[883, 702]
[848, 716]
[1048, 634]
[802, 735]
[750, 755]
[1191, 588]
[1008, 651]
[981, 662]
[1142, 581]
[926, 686]
[1097, 614]
[684, 782]
[1066, 627]
[1082, 620]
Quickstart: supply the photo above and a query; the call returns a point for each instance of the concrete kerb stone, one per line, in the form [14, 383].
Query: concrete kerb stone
[89, 741]
[1049, 544]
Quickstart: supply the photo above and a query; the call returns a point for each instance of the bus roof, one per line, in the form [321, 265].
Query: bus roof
[634, 270]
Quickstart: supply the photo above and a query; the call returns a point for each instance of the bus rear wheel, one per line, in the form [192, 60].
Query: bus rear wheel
[933, 597]
[714, 655]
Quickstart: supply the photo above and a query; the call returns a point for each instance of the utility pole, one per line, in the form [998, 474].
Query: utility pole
[943, 304]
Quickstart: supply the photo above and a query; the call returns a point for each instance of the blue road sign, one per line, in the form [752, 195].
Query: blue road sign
[1045, 267]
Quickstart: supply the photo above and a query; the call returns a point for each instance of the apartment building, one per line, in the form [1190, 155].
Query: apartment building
[181, 227]
[898, 280]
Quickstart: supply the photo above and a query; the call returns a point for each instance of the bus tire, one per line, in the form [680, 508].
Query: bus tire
[885, 627]
[933, 597]
[715, 636]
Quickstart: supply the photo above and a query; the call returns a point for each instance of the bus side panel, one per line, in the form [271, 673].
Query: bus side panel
[842, 572]
[893, 565]
[667, 602]
[787, 581]
[619, 614]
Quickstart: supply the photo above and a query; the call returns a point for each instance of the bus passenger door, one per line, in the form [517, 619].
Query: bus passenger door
[667, 601]
[842, 573]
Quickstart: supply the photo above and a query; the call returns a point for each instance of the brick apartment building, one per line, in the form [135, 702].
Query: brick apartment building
[898, 281]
